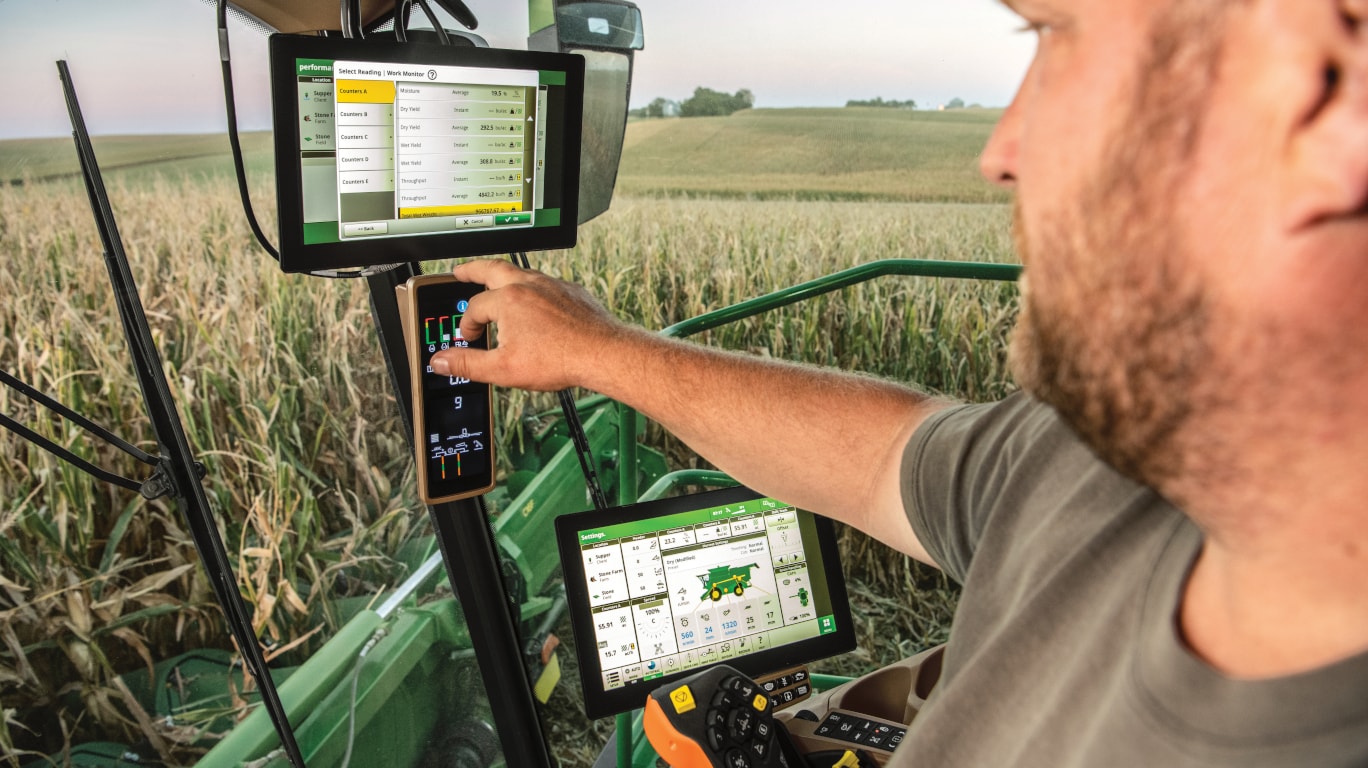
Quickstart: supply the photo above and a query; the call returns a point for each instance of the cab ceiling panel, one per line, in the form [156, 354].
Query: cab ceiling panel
[309, 15]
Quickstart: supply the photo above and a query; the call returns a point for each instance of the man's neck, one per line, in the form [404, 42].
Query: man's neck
[1276, 480]
[1277, 611]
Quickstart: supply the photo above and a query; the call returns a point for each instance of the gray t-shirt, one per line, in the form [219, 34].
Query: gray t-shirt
[1065, 649]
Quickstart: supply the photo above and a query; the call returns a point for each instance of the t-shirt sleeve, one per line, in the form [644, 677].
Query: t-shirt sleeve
[958, 464]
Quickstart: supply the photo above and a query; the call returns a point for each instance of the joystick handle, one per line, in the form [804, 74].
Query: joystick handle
[718, 718]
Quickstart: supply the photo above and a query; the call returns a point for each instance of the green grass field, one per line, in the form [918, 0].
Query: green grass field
[282, 385]
[813, 154]
[139, 157]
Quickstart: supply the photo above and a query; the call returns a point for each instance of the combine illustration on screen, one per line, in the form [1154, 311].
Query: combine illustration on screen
[724, 579]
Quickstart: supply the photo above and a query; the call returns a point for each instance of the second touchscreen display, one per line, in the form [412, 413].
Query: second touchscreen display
[661, 588]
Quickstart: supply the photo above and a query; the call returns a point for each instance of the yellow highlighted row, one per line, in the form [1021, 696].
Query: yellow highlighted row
[427, 212]
[364, 91]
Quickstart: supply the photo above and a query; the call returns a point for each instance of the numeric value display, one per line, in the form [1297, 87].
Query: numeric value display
[452, 417]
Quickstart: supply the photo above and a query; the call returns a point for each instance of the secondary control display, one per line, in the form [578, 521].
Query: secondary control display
[453, 423]
[727, 576]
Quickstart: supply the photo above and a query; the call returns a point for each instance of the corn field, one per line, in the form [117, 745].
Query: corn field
[284, 395]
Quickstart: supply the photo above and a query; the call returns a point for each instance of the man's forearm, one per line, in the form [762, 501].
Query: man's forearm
[825, 440]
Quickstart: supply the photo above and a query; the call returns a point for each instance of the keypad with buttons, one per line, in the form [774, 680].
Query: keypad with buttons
[716, 719]
[787, 688]
[863, 731]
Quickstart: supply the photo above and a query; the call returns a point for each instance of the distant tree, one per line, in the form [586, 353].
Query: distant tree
[662, 107]
[706, 102]
[878, 101]
[955, 103]
[659, 107]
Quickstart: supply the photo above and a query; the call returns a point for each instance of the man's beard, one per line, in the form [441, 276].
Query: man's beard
[1118, 352]
[1115, 331]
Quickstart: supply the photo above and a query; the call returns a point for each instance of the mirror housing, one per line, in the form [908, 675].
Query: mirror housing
[606, 33]
[608, 26]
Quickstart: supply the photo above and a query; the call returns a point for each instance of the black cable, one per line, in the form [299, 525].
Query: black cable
[402, 11]
[231, 104]
[442, 35]
[461, 12]
[67, 456]
[239, 167]
[582, 449]
[401, 18]
[80, 421]
[351, 20]
[576, 428]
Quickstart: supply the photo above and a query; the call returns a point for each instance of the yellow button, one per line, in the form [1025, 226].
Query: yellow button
[848, 760]
[683, 699]
[364, 91]
[760, 702]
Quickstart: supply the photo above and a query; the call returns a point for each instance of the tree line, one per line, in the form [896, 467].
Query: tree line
[878, 101]
[705, 102]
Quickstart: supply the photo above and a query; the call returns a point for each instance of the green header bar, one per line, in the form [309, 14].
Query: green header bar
[681, 520]
[314, 67]
[552, 77]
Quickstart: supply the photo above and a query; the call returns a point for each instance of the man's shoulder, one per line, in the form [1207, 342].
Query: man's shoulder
[1013, 469]
[1017, 439]
[1018, 418]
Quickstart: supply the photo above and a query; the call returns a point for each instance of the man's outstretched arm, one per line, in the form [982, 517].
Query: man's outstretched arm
[824, 440]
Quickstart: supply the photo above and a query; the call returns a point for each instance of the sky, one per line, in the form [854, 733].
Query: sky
[151, 66]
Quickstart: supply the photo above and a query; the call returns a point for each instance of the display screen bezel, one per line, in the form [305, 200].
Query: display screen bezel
[423, 292]
[296, 255]
[600, 701]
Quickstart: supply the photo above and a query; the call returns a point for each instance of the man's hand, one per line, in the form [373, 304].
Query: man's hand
[551, 333]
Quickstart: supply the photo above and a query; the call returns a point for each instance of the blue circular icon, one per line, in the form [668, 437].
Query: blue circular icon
[461, 305]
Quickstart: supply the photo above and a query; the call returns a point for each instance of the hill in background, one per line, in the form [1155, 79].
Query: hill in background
[828, 154]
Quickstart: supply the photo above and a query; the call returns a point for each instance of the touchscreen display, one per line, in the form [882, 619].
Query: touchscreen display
[387, 147]
[672, 586]
[455, 444]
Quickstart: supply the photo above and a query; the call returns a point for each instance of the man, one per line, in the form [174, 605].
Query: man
[1164, 547]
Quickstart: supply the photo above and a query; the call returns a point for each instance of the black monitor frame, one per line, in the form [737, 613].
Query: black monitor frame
[819, 541]
[562, 142]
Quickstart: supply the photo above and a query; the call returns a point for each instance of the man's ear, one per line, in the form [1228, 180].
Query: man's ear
[1328, 151]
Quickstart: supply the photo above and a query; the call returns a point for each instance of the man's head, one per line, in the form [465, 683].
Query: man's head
[1190, 176]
